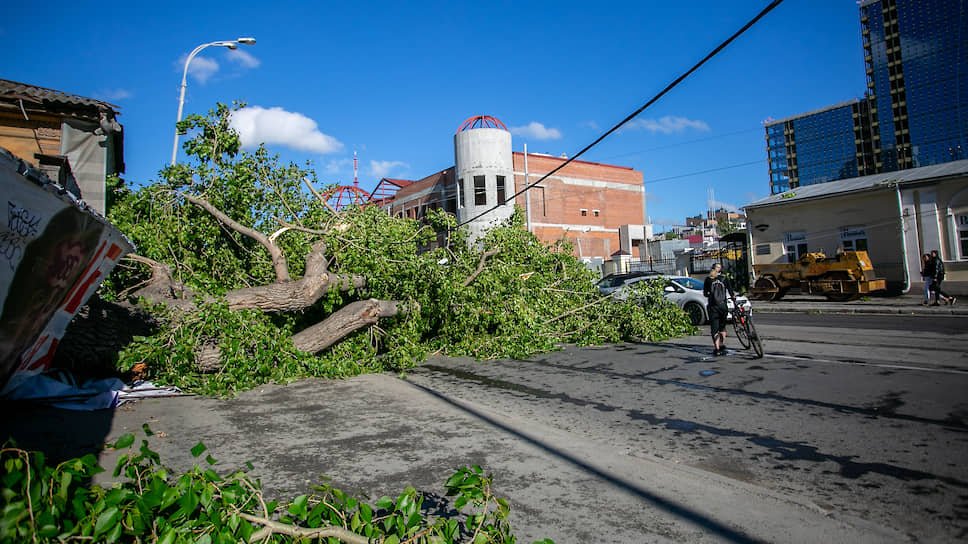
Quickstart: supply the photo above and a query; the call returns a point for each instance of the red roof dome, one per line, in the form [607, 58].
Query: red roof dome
[482, 121]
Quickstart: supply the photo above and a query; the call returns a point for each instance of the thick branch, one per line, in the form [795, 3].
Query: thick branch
[480, 266]
[287, 296]
[278, 258]
[321, 533]
[162, 287]
[344, 321]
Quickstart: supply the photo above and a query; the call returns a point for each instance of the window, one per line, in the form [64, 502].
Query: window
[500, 190]
[596, 212]
[853, 238]
[795, 244]
[480, 191]
[958, 214]
[584, 212]
[763, 249]
[962, 221]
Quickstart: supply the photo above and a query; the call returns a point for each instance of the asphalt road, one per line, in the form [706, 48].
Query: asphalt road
[852, 429]
[869, 421]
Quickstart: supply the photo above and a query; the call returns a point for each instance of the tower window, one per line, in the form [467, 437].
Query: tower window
[500, 190]
[584, 212]
[596, 212]
[480, 191]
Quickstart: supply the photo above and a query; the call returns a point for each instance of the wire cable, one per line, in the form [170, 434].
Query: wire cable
[653, 100]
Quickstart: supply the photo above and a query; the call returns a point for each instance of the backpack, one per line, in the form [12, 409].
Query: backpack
[717, 292]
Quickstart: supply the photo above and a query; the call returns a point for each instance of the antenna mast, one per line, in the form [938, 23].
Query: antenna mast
[356, 182]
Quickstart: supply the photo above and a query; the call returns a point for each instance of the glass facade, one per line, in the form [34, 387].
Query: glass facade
[817, 147]
[915, 110]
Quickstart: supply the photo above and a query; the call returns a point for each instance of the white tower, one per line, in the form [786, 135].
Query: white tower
[484, 170]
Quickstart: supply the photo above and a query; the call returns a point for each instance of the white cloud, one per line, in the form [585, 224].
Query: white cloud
[669, 124]
[751, 196]
[336, 166]
[381, 169]
[201, 68]
[243, 58]
[590, 124]
[716, 204]
[652, 197]
[537, 131]
[115, 95]
[257, 125]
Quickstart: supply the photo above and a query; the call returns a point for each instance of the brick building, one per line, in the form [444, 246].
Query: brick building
[599, 208]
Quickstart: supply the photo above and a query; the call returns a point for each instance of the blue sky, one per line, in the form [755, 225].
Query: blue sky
[392, 81]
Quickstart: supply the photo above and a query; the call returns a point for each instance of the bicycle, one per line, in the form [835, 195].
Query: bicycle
[745, 331]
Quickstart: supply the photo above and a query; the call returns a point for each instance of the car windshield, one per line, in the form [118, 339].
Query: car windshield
[689, 283]
[611, 281]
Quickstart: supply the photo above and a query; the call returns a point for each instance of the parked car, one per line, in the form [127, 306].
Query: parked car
[686, 292]
[611, 282]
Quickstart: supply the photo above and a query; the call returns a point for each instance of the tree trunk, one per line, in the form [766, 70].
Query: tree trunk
[288, 296]
[344, 321]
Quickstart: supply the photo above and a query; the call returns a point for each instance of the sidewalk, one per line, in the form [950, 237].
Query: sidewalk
[907, 304]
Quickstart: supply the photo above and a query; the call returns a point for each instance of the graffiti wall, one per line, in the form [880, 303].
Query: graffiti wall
[54, 253]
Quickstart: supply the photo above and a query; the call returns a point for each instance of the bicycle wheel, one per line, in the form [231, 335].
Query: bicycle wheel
[754, 339]
[740, 328]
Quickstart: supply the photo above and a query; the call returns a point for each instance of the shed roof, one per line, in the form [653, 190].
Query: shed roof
[34, 97]
[865, 183]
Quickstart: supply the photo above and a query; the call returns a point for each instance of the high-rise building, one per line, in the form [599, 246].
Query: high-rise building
[819, 146]
[917, 74]
[914, 112]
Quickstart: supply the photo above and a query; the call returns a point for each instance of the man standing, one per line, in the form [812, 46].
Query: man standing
[715, 288]
[938, 278]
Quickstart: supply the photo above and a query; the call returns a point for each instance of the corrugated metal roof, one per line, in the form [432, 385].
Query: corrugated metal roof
[12, 90]
[864, 183]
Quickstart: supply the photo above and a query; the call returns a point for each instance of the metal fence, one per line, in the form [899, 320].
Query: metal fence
[697, 265]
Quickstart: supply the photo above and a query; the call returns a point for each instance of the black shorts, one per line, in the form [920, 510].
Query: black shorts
[717, 318]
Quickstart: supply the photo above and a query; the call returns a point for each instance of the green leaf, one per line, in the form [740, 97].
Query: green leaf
[198, 449]
[384, 502]
[145, 427]
[106, 520]
[124, 441]
[366, 513]
[210, 460]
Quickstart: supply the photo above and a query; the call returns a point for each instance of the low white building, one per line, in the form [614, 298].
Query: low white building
[895, 216]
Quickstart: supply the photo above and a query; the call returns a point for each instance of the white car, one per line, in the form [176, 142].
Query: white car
[612, 282]
[686, 292]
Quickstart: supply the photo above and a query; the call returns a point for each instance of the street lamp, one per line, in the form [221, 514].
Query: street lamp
[181, 98]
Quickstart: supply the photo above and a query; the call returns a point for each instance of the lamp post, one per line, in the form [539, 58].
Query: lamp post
[181, 97]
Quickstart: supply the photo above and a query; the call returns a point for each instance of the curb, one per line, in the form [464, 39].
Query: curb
[869, 310]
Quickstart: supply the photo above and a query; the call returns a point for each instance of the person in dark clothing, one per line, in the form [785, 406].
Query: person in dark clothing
[716, 288]
[927, 275]
[938, 278]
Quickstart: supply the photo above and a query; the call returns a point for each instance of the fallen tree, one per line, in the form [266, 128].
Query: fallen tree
[254, 279]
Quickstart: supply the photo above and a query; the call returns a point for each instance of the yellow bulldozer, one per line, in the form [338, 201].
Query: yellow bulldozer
[847, 276]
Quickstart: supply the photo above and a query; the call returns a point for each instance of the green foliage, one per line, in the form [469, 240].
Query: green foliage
[727, 226]
[155, 504]
[526, 298]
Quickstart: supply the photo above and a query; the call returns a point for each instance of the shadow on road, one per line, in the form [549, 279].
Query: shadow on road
[727, 533]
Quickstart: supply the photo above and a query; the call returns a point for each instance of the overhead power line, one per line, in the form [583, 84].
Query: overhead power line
[761, 161]
[654, 99]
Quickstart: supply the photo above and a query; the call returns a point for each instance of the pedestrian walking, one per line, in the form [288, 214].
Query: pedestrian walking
[716, 287]
[927, 276]
[938, 279]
